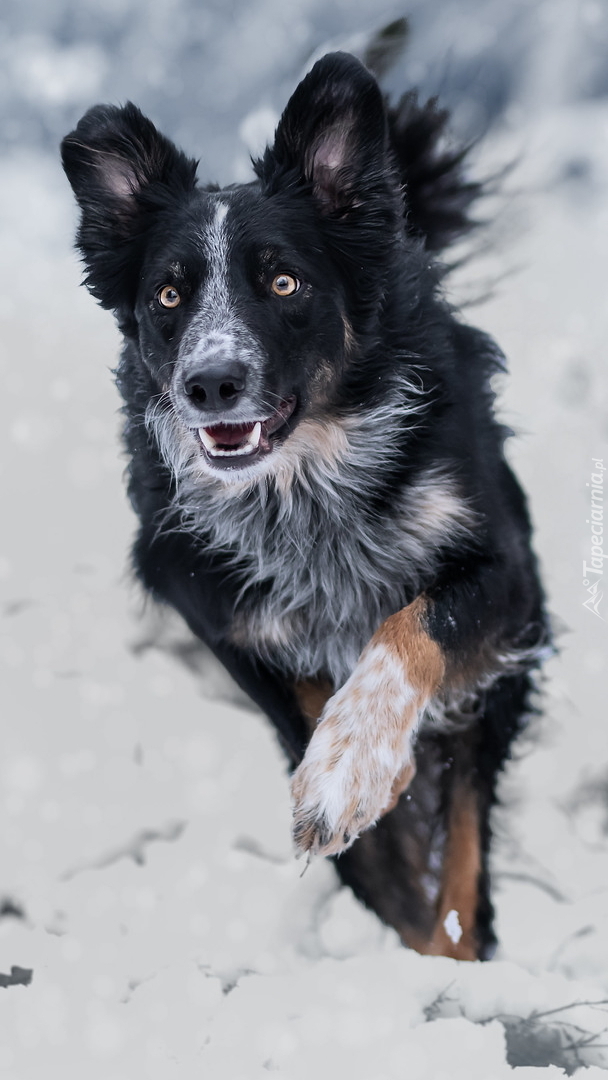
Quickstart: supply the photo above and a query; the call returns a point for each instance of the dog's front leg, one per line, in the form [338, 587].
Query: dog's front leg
[360, 756]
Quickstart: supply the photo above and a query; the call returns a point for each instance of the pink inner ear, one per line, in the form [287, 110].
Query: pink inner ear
[119, 177]
[330, 152]
[329, 166]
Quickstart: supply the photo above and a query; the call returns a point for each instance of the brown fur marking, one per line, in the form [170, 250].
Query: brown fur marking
[312, 694]
[402, 782]
[459, 879]
[405, 635]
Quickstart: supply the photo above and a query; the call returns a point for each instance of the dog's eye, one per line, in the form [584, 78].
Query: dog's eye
[285, 285]
[168, 297]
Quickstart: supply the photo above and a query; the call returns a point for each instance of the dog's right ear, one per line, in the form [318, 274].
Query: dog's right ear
[122, 171]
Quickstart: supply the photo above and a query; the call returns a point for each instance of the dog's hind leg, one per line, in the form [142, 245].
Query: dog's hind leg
[465, 913]
[461, 877]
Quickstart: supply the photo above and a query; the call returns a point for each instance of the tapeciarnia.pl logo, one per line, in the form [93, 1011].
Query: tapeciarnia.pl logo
[593, 571]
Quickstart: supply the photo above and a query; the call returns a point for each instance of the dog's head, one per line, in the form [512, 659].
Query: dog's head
[247, 304]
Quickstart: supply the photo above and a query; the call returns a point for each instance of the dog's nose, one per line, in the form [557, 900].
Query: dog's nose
[216, 388]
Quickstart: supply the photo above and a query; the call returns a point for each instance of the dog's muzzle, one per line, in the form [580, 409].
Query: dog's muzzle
[219, 392]
[228, 445]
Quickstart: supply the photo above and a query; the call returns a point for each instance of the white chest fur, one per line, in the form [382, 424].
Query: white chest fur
[321, 572]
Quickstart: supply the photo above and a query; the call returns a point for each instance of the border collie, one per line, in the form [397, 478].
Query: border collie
[318, 475]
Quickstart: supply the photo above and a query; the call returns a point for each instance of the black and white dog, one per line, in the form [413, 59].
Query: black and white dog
[320, 480]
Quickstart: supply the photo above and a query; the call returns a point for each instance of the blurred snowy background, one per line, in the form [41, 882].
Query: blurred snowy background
[153, 921]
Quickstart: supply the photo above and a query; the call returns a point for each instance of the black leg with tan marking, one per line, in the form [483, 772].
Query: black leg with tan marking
[460, 878]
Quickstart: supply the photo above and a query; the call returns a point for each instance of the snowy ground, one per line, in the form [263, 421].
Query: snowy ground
[153, 920]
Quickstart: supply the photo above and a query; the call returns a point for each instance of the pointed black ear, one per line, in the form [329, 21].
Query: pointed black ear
[122, 171]
[333, 135]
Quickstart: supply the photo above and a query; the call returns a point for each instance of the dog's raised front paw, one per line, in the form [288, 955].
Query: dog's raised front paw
[359, 758]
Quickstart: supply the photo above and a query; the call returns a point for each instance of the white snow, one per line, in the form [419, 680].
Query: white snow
[145, 808]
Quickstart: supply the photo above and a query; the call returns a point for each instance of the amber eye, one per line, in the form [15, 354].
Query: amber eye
[169, 297]
[285, 285]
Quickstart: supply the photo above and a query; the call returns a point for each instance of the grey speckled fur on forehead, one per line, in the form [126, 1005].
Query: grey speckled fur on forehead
[216, 327]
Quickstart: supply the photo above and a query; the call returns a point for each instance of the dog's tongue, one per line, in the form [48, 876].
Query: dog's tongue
[230, 434]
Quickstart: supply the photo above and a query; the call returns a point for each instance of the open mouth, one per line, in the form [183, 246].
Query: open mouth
[240, 445]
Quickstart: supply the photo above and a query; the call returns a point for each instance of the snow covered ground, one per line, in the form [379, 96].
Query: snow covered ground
[153, 920]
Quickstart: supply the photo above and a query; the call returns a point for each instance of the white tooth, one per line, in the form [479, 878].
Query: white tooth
[207, 440]
[232, 453]
[251, 444]
[253, 439]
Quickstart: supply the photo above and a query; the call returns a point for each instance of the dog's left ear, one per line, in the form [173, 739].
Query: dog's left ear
[333, 134]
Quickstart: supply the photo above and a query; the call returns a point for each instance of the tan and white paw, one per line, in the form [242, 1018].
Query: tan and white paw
[359, 758]
[332, 807]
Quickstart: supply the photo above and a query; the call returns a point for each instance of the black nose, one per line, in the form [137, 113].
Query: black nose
[218, 388]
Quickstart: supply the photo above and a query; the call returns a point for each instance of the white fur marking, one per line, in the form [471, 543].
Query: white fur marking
[216, 329]
[452, 927]
[216, 248]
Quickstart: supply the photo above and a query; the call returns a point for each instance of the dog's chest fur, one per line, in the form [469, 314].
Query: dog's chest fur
[318, 570]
